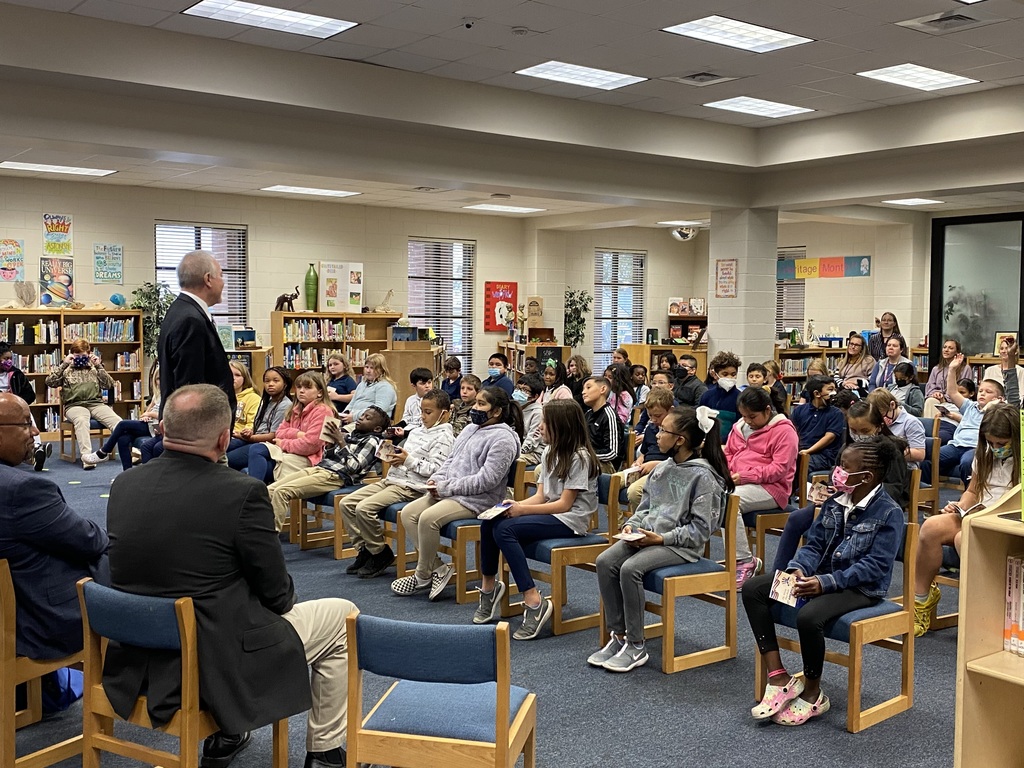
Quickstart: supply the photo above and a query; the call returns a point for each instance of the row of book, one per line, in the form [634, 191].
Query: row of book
[324, 330]
[44, 332]
[126, 361]
[107, 331]
[1013, 634]
[119, 391]
[311, 357]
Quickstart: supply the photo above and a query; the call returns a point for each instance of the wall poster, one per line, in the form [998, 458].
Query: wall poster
[500, 302]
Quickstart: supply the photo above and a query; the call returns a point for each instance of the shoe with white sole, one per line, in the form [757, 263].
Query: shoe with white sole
[629, 657]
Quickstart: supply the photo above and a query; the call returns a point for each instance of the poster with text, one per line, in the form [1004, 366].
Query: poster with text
[12, 260]
[57, 235]
[107, 264]
[499, 305]
[56, 281]
[725, 278]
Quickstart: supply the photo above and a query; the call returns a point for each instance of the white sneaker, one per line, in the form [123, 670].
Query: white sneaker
[93, 458]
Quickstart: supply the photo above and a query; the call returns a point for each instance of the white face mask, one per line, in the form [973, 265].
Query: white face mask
[726, 383]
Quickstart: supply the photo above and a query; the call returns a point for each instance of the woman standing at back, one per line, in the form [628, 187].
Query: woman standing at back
[888, 328]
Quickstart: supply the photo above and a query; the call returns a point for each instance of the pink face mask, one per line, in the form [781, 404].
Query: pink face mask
[841, 480]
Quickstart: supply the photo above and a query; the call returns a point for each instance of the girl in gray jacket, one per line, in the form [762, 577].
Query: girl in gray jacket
[683, 502]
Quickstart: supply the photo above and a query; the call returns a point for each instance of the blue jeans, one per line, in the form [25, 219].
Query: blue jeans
[508, 534]
[125, 433]
[949, 457]
[798, 523]
[152, 448]
[261, 466]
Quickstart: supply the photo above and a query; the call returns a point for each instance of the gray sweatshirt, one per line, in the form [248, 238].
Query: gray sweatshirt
[683, 503]
[476, 473]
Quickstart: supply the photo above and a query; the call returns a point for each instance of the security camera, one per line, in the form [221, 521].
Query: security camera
[683, 234]
[468, 22]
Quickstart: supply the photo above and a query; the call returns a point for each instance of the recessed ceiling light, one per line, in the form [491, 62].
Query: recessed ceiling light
[913, 201]
[759, 107]
[309, 191]
[41, 168]
[737, 34]
[502, 208]
[269, 17]
[577, 75]
[683, 223]
[913, 76]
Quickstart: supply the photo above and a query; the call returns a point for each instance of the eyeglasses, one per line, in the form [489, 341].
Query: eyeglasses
[22, 424]
[669, 432]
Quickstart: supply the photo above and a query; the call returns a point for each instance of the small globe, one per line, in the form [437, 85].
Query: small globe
[117, 300]
[45, 299]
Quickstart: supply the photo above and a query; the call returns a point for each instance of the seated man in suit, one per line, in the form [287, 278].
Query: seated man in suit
[47, 545]
[185, 525]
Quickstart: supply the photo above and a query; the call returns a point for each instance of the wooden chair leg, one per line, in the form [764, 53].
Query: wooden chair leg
[280, 753]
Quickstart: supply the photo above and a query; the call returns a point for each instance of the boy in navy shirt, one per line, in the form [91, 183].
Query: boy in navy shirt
[819, 424]
[497, 365]
[722, 394]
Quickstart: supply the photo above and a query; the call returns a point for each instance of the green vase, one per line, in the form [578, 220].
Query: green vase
[312, 286]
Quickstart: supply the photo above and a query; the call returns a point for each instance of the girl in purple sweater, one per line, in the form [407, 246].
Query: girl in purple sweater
[473, 478]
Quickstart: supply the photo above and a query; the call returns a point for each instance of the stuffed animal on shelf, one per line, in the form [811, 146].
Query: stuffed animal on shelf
[285, 302]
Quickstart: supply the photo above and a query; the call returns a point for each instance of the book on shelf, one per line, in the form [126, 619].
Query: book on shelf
[107, 331]
[1013, 618]
[51, 420]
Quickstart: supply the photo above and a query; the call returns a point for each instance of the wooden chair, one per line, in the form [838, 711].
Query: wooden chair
[877, 626]
[159, 623]
[452, 704]
[67, 433]
[707, 580]
[306, 518]
[929, 494]
[462, 534]
[20, 670]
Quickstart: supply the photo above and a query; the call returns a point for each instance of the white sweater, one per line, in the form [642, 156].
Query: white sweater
[427, 449]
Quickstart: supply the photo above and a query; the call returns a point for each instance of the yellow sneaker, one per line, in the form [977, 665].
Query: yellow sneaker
[923, 611]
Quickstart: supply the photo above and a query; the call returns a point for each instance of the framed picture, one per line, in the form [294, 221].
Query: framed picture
[726, 271]
[500, 304]
[698, 306]
[677, 306]
[1010, 337]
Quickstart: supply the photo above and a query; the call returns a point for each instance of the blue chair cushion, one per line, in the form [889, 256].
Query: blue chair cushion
[443, 710]
[654, 581]
[837, 629]
[451, 530]
[541, 550]
[750, 517]
[391, 513]
[139, 620]
[327, 499]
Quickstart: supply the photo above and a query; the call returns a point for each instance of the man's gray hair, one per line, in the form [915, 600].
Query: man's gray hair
[196, 413]
[194, 267]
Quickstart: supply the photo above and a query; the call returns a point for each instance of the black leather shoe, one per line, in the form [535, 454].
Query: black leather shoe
[42, 453]
[363, 556]
[332, 758]
[220, 749]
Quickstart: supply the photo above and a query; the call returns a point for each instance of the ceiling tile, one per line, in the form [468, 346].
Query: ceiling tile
[518, 82]
[500, 59]
[376, 36]
[444, 49]
[406, 61]
[271, 38]
[415, 19]
[126, 12]
[1007, 32]
[47, 5]
[460, 71]
[360, 11]
[339, 49]
[539, 17]
[484, 32]
[193, 25]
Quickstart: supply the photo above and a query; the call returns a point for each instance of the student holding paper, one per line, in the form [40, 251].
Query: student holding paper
[566, 497]
[996, 469]
[846, 565]
[683, 502]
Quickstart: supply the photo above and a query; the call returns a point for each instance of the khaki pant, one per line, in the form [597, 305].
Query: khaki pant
[635, 492]
[79, 416]
[931, 409]
[320, 624]
[423, 520]
[304, 484]
[359, 511]
[752, 498]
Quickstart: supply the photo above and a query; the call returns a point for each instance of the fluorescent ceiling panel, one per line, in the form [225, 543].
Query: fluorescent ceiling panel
[309, 191]
[577, 75]
[913, 201]
[502, 208]
[737, 34]
[914, 76]
[41, 168]
[759, 107]
[683, 223]
[269, 17]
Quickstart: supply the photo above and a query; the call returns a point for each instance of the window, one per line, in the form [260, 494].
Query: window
[227, 244]
[789, 295]
[618, 302]
[441, 292]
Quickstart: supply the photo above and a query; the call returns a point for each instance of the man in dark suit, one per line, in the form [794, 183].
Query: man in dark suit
[47, 545]
[189, 350]
[186, 525]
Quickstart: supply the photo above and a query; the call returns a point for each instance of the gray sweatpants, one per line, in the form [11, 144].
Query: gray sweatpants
[620, 577]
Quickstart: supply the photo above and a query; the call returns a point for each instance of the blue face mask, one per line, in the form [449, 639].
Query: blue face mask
[494, 372]
[478, 417]
[1002, 452]
[519, 396]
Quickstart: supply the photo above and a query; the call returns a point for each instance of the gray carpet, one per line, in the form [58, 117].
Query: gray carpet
[589, 717]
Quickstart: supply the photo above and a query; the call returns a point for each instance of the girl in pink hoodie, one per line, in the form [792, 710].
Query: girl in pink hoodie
[762, 451]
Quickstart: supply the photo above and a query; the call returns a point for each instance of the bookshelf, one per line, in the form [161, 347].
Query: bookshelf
[303, 341]
[647, 354]
[401, 363]
[116, 336]
[989, 680]
[686, 327]
[919, 356]
[35, 335]
[257, 360]
[517, 354]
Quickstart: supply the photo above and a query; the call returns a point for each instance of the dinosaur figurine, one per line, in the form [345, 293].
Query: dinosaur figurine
[285, 301]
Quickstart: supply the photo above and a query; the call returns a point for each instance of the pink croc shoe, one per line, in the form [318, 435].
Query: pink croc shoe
[799, 711]
[776, 697]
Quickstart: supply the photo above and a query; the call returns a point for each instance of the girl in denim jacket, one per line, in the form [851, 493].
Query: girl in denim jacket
[845, 566]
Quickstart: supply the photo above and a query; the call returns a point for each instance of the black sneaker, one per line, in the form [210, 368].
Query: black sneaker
[42, 453]
[377, 563]
[363, 556]
[332, 758]
[220, 749]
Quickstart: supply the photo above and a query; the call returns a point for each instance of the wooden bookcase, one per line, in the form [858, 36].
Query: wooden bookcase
[302, 341]
[257, 360]
[989, 680]
[647, 354]
[685, 326]
[35, 335]
[517, 354]
[401, 362]
[117, 336]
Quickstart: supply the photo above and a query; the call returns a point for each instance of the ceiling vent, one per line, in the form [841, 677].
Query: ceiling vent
[700, 79]
[429, 190]
[950, 21]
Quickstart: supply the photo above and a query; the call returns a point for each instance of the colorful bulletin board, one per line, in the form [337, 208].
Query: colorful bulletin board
[500, 302]
[811, 269]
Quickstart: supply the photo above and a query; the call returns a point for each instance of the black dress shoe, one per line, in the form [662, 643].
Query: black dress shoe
[332, 758]
[42, 453]
[220, 749]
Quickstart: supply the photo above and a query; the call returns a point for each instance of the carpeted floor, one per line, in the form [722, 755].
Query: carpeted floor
[589, 717]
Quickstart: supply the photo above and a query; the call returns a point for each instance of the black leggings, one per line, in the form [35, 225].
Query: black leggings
[810, 622]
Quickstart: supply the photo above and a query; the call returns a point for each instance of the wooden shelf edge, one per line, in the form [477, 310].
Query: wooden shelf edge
[1001, 665]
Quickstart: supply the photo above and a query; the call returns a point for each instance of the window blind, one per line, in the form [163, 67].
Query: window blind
[618, 302]
[441, 292]
[228, 244]
[789, 294]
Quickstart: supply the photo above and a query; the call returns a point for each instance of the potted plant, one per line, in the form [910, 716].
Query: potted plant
[577, 305]
[154, 299]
